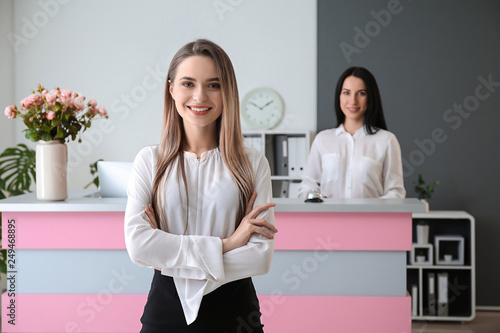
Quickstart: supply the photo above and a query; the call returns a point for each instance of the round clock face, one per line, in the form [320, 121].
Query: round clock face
[262, 108]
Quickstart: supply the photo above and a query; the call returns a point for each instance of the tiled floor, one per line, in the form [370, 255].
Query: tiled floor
[485, 322]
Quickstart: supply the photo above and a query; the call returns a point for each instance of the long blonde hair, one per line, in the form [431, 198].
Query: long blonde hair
[229, 137]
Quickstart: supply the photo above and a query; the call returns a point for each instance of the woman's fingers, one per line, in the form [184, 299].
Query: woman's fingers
[245, 230]
[250, 225]
[256, 211]
[151, 216]
[263, 231]
[263, 223]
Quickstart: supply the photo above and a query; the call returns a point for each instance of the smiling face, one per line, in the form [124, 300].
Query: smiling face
[197, 93]
[353, 101]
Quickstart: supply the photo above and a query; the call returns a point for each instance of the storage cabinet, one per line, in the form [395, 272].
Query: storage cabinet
[443, 287]
[287, 154]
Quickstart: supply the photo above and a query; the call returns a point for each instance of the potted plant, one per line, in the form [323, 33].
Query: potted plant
[95, 174]
[422, 232]
[420, 257]
[424, 191]
[53, 118]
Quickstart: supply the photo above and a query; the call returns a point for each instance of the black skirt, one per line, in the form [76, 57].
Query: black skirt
[231, 308]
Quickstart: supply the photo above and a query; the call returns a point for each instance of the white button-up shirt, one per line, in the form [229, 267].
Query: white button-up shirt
[342, 165]
[194, 258]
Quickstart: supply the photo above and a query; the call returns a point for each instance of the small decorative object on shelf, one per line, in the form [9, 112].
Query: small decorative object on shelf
[424, 192]
[421, 254]
[449, 250]
[52, 118]
[422, 232]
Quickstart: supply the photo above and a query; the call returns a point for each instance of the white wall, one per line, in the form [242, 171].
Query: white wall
[7, 127]
[118, 52]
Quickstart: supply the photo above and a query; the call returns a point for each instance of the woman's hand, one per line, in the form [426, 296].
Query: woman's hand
[250, 225]
[151, 216]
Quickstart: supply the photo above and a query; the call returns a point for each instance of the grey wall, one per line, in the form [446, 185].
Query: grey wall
[431, 59]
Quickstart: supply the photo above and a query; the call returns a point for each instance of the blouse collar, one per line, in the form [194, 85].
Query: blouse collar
[360, 132]
[204, 155]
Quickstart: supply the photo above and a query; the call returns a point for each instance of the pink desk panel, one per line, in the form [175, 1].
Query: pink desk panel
[297, 231]
[291, 314]
[344, 231]
[67, 230]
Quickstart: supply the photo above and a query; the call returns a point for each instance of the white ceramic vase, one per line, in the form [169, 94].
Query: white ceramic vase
[51, 170]
[422, 234]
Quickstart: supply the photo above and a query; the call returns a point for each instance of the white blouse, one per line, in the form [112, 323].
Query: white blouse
[194, 258]
[342, 165]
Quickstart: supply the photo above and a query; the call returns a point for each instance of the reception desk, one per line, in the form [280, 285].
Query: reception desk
[339, 266]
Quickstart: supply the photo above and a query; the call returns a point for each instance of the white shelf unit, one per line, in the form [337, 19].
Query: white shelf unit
[287, 154]
[460, 293]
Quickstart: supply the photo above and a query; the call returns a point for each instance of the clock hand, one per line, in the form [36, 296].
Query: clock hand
[267, 104]
[255, 105]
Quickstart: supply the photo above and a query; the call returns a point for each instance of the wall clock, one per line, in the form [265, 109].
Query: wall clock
[262, 108]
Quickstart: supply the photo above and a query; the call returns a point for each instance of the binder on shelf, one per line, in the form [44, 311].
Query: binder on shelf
[296, 156]
[414, 300]
[284, 189]
[431, 294]
[293, 189]
[281, 155]
[442, 304]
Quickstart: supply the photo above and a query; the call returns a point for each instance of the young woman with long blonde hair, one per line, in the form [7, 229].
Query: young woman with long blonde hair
[199, 204]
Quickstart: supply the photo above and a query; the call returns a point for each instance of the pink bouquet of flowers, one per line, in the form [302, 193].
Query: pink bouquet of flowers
[56, 115]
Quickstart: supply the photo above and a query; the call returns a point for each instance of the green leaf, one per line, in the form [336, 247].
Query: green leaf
[17, 167]
[45, 136]
[32, 135]
[93, 171]
[60, 132]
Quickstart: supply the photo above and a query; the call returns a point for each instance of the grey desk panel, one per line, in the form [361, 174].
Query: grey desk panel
[340, 273]
[80, 271]
[335, 273]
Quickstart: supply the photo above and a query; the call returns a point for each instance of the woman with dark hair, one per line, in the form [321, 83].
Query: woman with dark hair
[359, 158]
[199, 205]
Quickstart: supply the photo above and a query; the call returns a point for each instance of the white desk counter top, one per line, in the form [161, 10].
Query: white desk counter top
[90, 201]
